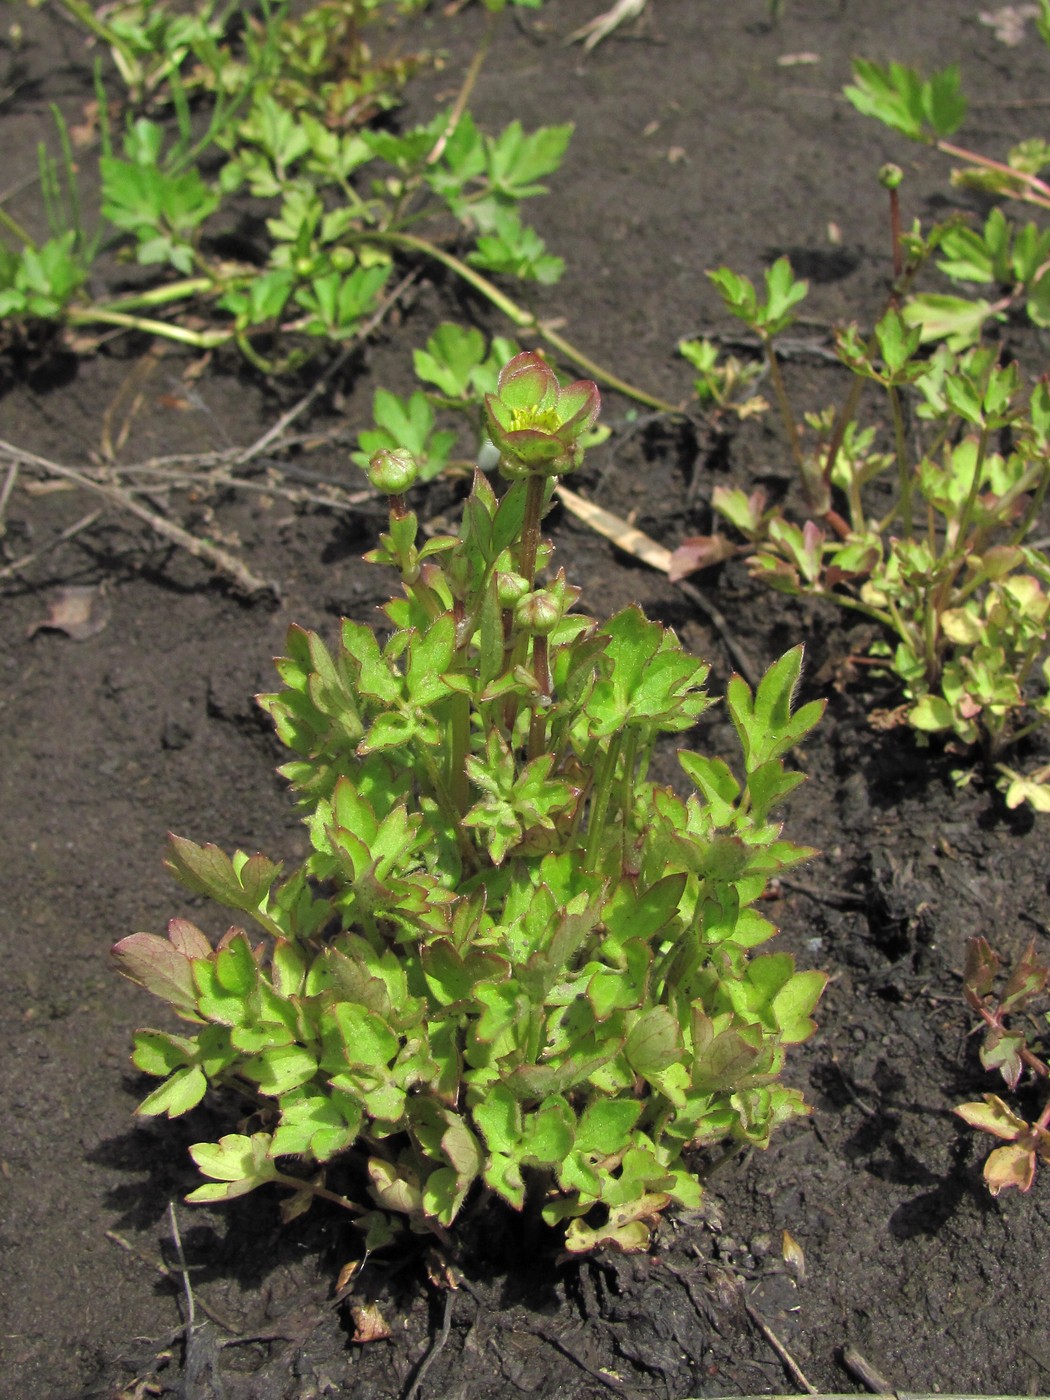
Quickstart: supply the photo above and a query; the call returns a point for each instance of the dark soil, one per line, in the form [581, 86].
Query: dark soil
[695, 145]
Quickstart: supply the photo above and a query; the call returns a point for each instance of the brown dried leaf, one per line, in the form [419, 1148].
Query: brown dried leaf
[369, 1323]
[80, 612]
[699, 552]
[793, 1256]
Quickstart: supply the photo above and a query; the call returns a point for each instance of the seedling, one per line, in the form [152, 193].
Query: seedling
[280, 111]
[512, 965]
[1014, 1049]
[1000, 254]
[929, 538]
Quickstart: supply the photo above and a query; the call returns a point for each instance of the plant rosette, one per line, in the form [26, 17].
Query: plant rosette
[512, 966]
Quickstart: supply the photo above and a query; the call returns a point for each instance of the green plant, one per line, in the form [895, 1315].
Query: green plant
[278, 111]
[1011, 1048]
[512, 964]
[1001, 253]
[928, 538]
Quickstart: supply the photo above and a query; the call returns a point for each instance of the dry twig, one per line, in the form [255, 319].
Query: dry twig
[435, 1350]
[791, 1365]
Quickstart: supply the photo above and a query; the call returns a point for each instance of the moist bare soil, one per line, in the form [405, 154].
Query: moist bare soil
[705, 134]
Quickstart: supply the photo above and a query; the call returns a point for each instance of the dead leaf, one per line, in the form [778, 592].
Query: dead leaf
[794, 1257]
[603, 522]
[83, 133]
[699, 552]
[369, 1323]
[888, 719]
[80, 612]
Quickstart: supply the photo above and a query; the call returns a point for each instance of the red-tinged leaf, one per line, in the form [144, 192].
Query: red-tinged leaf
[653, 1042]
[164, 970]
[369, 1325]
[698, 552]
[1010, 1166]
[992, 1116]
[188, 939]
[203, 869]
[579, 404]
[981, 967]
[1002, 1051]
[1027, 979]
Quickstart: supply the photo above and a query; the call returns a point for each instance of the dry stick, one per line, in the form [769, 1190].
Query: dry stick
[862, 1370]
[5, 494]
[566, 1350]
[172, 1277]
[219, 558]
[84, 523]
[240, 458]
[793, 1368]
[213, 554]
[436, 1348]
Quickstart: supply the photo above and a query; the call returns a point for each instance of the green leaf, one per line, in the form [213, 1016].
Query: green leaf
[315, 1126]
[547, 1135]
[930, 713]
[516, 161]
[794, 1002]
[653, 1042]
[451, 356]
[281, 1068]
[900, 98]
[177, 1095]
[953, 319]
[358, 1037]
[605, 1125]
[498, 1116]
[242, 1163]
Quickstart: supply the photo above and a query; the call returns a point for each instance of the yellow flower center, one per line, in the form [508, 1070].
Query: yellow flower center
[546, 422]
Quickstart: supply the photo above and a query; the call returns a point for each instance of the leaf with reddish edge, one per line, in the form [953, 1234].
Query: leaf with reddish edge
[580, 403]
[162, 968]
[188, 939]
[980, 970]
[1027, 980]
[993, 1116]
[527, 381]
[1010, 1166]
[1002, 1051]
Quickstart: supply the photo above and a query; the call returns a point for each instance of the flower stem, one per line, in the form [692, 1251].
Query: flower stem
[517, 315]
[600, 802]
[535, 499]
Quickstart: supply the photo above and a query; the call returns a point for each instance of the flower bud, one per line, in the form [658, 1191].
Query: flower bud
[890, 176]
[538, 613]
[392, 472]
[510, 589]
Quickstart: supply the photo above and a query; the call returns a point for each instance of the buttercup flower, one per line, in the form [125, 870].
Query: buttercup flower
[534, 422]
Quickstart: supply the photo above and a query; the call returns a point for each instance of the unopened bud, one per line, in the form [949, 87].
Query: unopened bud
[392, 472]
[510, 589]
[890, 176]
[538, 613]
